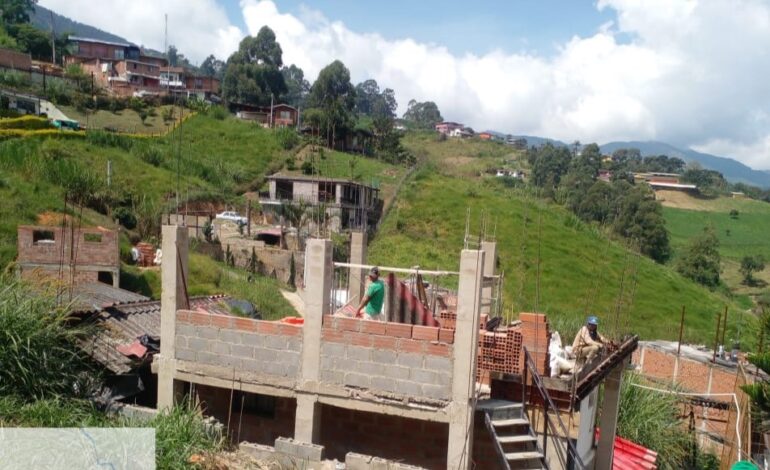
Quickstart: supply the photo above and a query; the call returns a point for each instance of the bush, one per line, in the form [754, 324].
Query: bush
[218, 112]
[25, 122]
[150, 154]
[125, 216]
[167, 114]
[287, 138]
[137, 104]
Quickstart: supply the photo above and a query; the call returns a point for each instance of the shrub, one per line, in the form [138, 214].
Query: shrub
[218, 112]
[137, 104]
[287, 138]
[167, 114]
[125, 216]
[25, 122]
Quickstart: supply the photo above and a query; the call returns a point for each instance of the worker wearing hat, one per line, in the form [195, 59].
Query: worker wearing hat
[588, 342]
[371, 304]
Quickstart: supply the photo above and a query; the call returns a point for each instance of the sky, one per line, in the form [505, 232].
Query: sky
[688, 72]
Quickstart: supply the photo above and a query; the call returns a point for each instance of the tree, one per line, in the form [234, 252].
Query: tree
[588, 162]
[333, 93]
[549, 164]
[212, 67]
[172, 55]
[701, 260]
[296, 85]
[425, 115]
[253, 74]
[16, 11]
[751, 265]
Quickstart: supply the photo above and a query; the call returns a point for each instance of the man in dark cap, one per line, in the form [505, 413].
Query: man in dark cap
[371, 304]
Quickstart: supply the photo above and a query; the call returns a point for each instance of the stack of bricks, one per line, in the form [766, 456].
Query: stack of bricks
[536, 337]
[498, 352]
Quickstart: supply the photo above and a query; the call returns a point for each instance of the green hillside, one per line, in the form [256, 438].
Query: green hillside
[580, 270]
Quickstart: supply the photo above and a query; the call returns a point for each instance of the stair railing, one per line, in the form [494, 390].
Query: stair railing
[563, 452]
[498, 446]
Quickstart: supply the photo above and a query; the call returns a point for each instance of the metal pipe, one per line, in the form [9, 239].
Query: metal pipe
[681, 329]
[724, 326]
[413, 270]
[716, 340]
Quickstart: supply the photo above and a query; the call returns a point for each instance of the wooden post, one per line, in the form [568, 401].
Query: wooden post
[681, 329]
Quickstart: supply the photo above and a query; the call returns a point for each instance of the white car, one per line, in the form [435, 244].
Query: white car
[233, 216]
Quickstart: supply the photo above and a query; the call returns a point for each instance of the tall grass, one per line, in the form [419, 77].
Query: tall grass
[38, 346]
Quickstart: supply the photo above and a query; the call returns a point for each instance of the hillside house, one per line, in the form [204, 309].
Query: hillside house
[447, 127]
[486, 136]
[665, 182]
[182, 81]
[279, 115]
[461, 133]
[68, 255]
[348, 204]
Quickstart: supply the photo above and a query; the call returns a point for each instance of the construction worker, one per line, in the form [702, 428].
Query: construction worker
[588, 342]
[371, 304]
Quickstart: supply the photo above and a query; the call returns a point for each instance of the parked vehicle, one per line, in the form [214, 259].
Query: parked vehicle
[233, 217]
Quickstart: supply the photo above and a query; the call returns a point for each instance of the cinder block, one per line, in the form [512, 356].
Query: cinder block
[186, 330]
[369, 368]
[384, 356]
[251, 365]
[378, 463]
[185, 355]
[345, 364]
[227, 361]
[333, 349]
[180, 341]
[288, 357]
[406, 387]
[252, 339]
[359, 353]
[207, 358]
[198, 344]
[357, 380]
[301, 450]
[410, 360]
[230, 336]
[332, 376]
[405, 466]
[294, 343]
[384, 383]
[436, 391]
[422, 376]
[242, 351]
[355, 461]
[438, 363]
[207, 332]
[395, 372]
[275, 342]
[258, 451]
[218, 347]
[266, 355]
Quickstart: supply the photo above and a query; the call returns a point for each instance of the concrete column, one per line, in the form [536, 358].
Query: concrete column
[319, 270]
[172, 298]
[460, 445]
[490, 255]
[608, 421]
[357, 277]
[585, 440]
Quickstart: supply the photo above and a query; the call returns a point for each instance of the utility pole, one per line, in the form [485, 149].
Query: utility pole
[271, 110]
[53, 40]
[109, 172]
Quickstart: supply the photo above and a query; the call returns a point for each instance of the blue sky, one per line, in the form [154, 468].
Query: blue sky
[534, 26]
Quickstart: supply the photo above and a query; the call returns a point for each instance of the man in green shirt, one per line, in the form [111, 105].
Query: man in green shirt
[371, 304]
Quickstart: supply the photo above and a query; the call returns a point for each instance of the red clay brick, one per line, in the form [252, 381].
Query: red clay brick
[359, 339]
[445, 335]
[222, 321]
[245, 324]
[373, 327]
[198, 318]
[268, 327]
[182, 316]
[333, 336]
[289, 330]
[327, 321]
[426, 333]
[399, 330]
[438, 349]
[411, 345]
[384, 342]
[532, 317]
[347, 324]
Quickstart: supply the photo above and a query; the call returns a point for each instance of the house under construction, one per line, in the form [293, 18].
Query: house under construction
[408, 392]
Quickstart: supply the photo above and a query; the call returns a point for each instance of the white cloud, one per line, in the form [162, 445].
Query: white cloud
[196, 27]
[690, 72]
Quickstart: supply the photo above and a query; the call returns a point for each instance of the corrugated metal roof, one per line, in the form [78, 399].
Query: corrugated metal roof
[94, 297]
[121, 325]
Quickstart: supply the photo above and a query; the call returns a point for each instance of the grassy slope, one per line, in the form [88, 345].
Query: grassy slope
[580, 269]
[126, 120]
[745, 235]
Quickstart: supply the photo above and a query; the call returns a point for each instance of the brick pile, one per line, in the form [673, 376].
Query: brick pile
[536, 337]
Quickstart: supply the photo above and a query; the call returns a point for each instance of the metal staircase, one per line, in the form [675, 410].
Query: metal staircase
[516, 443]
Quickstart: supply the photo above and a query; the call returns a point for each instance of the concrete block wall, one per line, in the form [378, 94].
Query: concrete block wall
[390, 357]
[242, 343]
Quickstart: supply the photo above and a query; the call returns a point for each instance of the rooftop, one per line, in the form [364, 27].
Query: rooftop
[100, 41]
[283, 177]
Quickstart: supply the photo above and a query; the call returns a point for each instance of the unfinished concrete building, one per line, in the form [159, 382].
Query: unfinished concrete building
[69, 255]
[347, 204]
[393, 394]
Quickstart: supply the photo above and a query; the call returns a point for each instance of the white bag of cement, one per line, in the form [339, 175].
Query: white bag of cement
[559, 359]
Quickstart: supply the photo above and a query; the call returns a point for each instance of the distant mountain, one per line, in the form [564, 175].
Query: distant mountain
[732, 170]
[41, 18]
